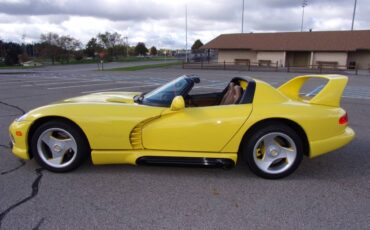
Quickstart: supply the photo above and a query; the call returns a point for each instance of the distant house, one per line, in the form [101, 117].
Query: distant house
[301, 49]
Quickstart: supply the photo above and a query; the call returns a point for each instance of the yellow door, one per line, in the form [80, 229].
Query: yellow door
[206, 129]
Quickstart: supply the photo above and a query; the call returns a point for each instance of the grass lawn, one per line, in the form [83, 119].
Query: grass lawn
[47, 62]
[17, 67]
[142, 67]
[135, 59]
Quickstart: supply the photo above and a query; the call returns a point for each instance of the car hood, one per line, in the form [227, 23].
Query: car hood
[118, 97]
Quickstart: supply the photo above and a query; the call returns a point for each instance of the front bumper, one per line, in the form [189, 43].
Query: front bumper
[19, 134]
[320, 147]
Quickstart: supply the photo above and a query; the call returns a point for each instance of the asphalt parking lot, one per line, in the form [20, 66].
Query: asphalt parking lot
[328, 192]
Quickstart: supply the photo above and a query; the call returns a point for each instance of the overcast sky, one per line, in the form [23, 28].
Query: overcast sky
[162, 22]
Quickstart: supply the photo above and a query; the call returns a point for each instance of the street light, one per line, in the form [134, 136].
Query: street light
[186, 32]
[243, 18]
[304, 4]
[354, 13]
[126, 41]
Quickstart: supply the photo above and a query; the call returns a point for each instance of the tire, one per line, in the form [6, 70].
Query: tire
[59, 146]
[273, 151]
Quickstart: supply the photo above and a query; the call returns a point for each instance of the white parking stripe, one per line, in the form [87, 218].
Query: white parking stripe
[128, 87]
[40, 80]
[220, 85]
[19, 77]
[77, 86]
[109, 83]
[28, 81]
[62, 82]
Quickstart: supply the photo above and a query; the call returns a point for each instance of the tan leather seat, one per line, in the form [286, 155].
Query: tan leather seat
[232, 94]
[238, 91]
[226, 99]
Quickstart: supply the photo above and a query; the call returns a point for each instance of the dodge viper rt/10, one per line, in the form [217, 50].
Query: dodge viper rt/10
[268, 128]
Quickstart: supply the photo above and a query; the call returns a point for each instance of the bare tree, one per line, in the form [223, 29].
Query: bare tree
[69, 45]
[110, 41]
[49, 46]
[58, 47]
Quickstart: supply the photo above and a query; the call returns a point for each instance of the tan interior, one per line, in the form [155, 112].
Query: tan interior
[232, 95]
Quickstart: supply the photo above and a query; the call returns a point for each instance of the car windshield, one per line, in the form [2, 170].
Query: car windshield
[164, 95]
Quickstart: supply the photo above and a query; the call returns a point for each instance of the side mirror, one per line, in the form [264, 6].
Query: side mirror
[177, 104]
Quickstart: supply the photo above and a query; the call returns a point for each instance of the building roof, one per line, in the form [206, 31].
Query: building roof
[294, 41]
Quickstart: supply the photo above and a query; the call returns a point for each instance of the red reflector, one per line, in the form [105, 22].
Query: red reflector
[343, 119]
[18, 133]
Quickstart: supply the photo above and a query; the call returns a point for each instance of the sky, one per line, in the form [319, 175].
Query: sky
[161, 23]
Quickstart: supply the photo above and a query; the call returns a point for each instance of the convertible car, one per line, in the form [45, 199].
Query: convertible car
[270, 129]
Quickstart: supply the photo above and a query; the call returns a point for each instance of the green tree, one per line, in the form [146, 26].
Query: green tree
[49, 46]
[2, 49]
[58, 48]
[121, 50]
[195, 48]
[12, 52]
[110, 41]
[69, 45]
[140, 49]
[153, 51]
[93, 47]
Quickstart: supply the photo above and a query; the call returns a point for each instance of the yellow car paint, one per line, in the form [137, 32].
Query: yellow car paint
[20, 145]
[311, 117]
[199, 129]
[330, 95]
[120, 131]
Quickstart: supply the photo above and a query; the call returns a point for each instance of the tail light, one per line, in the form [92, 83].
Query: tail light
[343, 120]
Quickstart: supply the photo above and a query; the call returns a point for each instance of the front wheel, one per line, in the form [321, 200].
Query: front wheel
[274, 151]
[59, 146]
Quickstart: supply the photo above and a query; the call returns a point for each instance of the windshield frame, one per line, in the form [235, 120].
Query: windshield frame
[150, 97]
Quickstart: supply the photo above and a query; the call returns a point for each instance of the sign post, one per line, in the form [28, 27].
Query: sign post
[102, 54]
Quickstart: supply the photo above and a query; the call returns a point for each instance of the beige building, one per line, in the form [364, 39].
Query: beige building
[342, 49]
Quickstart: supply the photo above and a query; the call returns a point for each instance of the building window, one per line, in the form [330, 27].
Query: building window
[241, 61]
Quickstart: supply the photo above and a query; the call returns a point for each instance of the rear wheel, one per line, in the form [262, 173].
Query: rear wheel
[59, 146]
[273, 151]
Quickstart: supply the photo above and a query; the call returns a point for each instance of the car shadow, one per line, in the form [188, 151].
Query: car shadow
[344, 164]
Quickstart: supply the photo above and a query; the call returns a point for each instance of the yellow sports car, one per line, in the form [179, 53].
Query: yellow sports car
[270, 129]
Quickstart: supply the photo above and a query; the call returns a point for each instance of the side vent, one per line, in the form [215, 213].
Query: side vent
[136, 139]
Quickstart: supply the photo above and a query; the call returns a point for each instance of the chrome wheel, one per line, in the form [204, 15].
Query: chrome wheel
[57, 147]
[274, 153]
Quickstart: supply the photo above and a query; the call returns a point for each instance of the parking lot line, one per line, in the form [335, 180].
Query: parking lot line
[357, 92]
[77, 86]
[89, 85]
[28, 81]
[63, 82]
[127, 87]
[220, 85]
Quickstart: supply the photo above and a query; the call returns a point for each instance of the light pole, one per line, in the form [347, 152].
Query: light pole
[243, 18]
[304, 4]
[126, 41]
[186, 32]
[354, 13]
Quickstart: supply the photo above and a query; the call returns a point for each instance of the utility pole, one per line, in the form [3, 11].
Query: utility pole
[126, 39]
[186, 32]
[243, 18]
[354, 13]
[304, 4]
